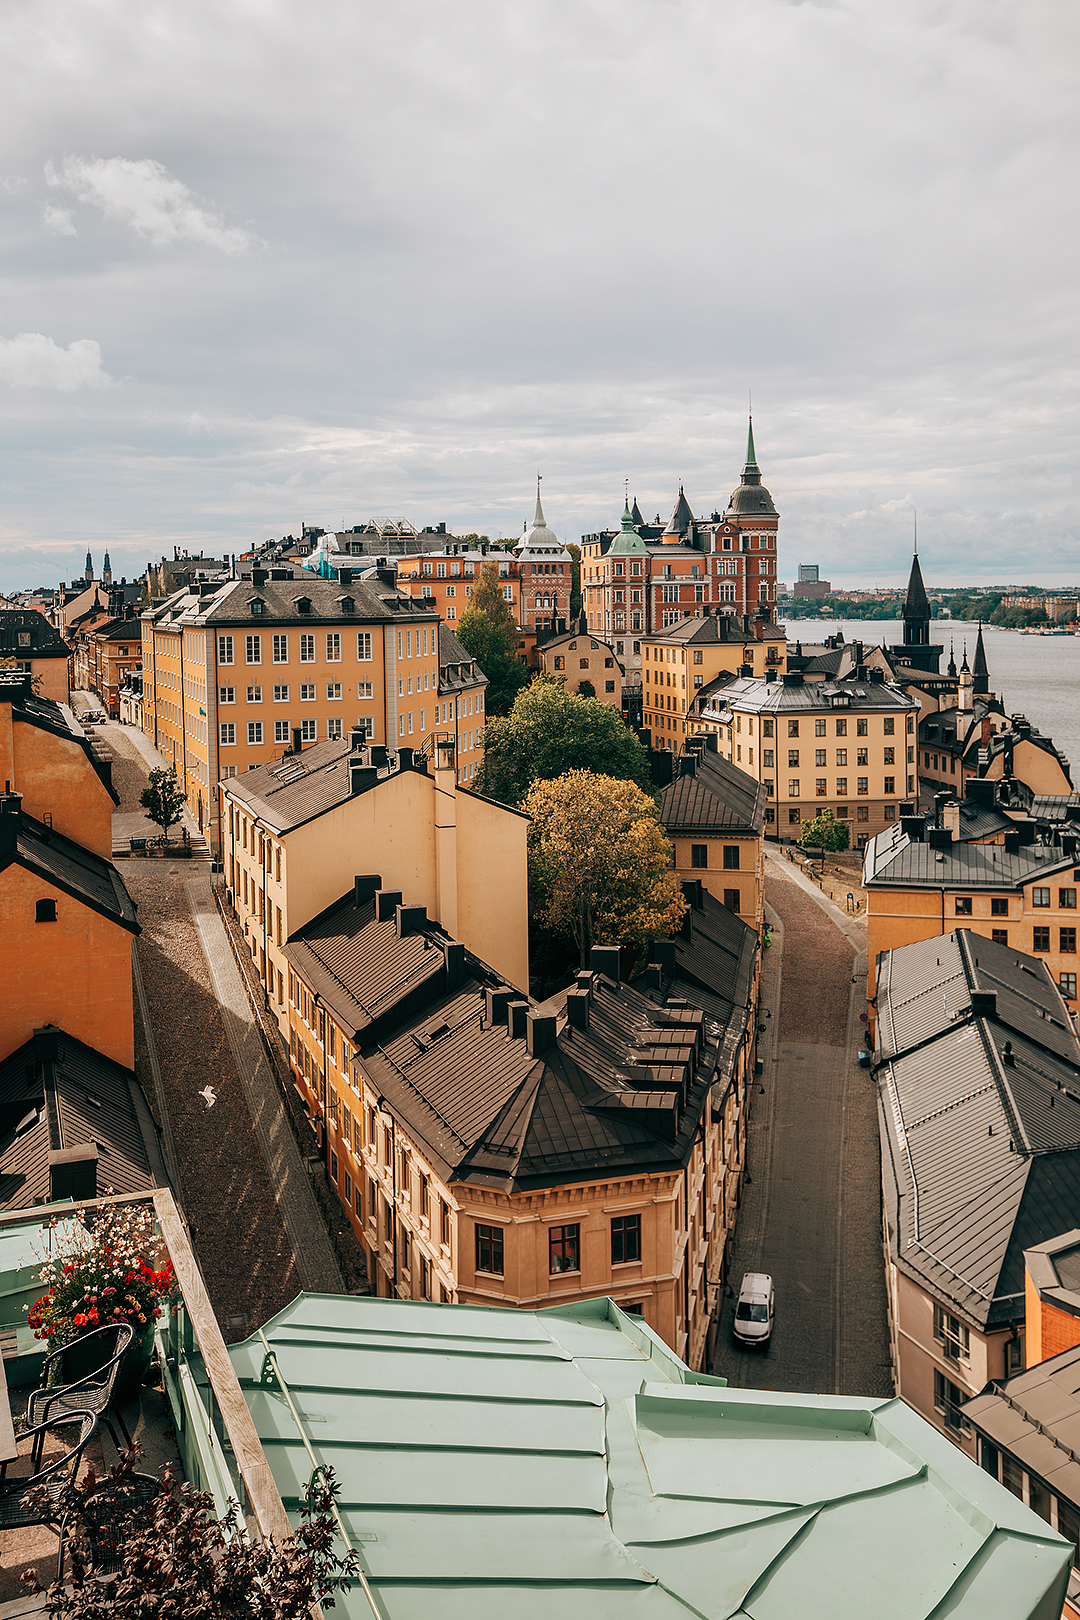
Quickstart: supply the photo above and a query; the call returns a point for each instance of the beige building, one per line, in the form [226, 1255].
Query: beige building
[294, 833]
[584, 665]
[476, 1138]
[847, 746]
[714, 814]
[681, 662]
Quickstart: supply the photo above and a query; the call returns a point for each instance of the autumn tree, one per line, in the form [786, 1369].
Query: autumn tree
[550, 731]
[599, 863]
[488, 633]
[824, 832]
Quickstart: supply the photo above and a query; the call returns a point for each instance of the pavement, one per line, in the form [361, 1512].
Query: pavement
[133, 822]
[811, 1208]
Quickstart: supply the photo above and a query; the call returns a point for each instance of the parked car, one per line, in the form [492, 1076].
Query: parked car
[754, 1311]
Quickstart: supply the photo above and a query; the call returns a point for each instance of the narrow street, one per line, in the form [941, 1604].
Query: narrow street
[811, 1207]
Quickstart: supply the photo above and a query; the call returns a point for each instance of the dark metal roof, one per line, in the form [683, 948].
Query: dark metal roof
[718, 797]
[981, 821]
[1056, 806]
[816, 696]
[358, 966]
[74, 870]
[293, 790]
[232, 605]
[718, 627]
[916, 605]
[457, 668]
[1036, 1418]
[45, 640]
[980, 1118]
[893, 860]
[46, 715]
[79, 1096]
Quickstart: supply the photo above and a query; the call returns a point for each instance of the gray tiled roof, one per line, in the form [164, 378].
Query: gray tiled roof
[232, 605]
[297, 788]
[781, 696]
[76, 871]
[980, 1118]
[45, 640]
[893, 859]
[718, 797]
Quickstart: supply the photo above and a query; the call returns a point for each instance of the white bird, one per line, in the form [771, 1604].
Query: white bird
[209, 1095]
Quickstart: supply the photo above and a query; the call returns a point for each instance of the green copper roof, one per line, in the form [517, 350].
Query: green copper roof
[566, 1463]
[629, 543]
[751, 458]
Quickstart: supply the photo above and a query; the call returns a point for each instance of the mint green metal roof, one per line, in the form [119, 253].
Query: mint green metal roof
[628, 543]
[565, 1463]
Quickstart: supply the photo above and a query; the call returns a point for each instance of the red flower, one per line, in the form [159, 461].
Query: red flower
[79, 1319]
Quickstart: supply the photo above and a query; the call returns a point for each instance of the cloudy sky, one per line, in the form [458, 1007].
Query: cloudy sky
[268, 262]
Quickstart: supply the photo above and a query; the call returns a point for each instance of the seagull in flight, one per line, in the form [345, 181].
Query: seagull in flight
[209, 1096]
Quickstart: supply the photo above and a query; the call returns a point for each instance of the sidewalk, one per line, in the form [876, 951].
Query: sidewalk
[129, 824]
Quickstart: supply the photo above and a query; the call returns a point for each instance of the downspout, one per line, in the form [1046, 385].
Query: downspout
[183, 711]
[393, 1187]
[266, 947]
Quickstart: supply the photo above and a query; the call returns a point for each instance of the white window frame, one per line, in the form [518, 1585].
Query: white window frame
[333, 691]
[226, 694]
[364, 653]
[309, 731]
[226, 649]
[281, 731]
[309, 691]
[281, 692]
[333, 646]
[227, 734]
[254, 733]
[279, 649]
[335, 729]
[307, 648]
[253, 649]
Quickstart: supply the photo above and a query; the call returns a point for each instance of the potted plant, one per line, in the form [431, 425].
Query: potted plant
[100, 1272]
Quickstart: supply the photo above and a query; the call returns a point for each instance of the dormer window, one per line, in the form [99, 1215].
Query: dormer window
[346, 603]
[303, 604]
[257, 605]
[840, 700]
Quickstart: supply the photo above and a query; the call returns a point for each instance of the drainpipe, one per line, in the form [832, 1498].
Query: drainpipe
[394, 1188]
[265, 906]
[183, 711]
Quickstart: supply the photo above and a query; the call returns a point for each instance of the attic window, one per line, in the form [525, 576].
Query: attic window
[257, 605]
[840, 700]
[45, 911]
[346, 603]
[303, 604]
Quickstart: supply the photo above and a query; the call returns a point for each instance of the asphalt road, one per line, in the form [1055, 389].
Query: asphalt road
[810, 1213]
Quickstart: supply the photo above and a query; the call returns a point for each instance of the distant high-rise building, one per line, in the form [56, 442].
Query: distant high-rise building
[808, 573]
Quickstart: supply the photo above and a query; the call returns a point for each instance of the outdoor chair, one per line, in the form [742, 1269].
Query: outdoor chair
[35, 1498]
[94, 1393]
[104, 1519]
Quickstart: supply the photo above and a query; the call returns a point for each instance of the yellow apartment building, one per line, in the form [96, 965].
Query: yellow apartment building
[293, 830]
[714, 814]
[579, 660]
[848, 746]
[238, 674]
[473, 1137]
[679, 662]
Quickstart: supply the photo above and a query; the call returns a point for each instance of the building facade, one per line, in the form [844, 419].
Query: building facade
[686, 660]
[714, 814]
[584, 665]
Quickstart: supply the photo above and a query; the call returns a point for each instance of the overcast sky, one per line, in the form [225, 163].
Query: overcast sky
[268, 262]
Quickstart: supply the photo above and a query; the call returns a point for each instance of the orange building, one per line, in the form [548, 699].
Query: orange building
[442, 581]
[50, 762]
[106, 652]
[34, 647]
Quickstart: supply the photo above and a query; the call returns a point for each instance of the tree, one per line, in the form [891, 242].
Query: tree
[599, 863]
[550, 731]
[825, 832]
[178, 1559]
[162, 800]
[586, 689]
[488, 633]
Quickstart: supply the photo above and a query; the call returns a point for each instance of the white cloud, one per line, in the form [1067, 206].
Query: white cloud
[143, 194]
[13, 183]
[60, 220]
[32, 360]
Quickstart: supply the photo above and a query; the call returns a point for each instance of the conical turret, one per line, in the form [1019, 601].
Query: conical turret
[751, 495]
[916, 609]
[981, 685]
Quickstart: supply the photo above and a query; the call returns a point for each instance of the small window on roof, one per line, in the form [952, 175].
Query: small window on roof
[303, 604]
[257, 605]
[346, 603]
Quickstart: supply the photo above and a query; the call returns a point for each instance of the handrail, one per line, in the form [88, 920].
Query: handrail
[317, 1468]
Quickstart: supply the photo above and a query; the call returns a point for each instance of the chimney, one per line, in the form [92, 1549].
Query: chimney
[362, 777]
[1012, 841]
[454, 952]
[378, 756]
[410, 920]
[357, 739]
[344, 576]
[496, 1003]
[386, 903]
[577, 1008]
[792, 677]
[606, 959]
[984, 1003]
[258, 576]
[914, 827]
[297, 740]
[517, 1019]
[10, 821]
[939, 837]
[950, 817]
[539, 1032]
[653, 980]
[405, 759]
[687, 764]
[907, 808]
[662, 952]
[47, 1044]
[364, 889]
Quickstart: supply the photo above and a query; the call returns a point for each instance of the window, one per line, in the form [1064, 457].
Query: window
[281, 694]
[333, 690]
[890, 809]
[954, 1335]
[767, 757]
[253, 649]
[890, 787]
[963, 905]
[1068, 941]
[1000, 936]
[862, 756]
[819, 730]
[334, 729]
[860, 728]
[279, 649]
[1040, 897]
[45, 911]
[794, 816]
[1012, 1475]
[766, 728]
[731, 857]
[308, 691]
[841, 756]
[841, 786]
[862, 784]
[309, 731]
[333, 647]
[563, 1249]
[225, 649]
[1067, 985]
[999, 905]
[948, 1400]
[1040, 939]
[364, 689]
[281, 731]
[255, 731]
[1066, 899]
[1068, 1519]
[793, 787]
[819, 756]
[444, 1223]
[699, 855]
[226, 694]
[841, 728]
[792, 729]
[890, 756]
[307, 649]
[889, 726]
[792, 757]
[363, 647]
[254, 694]
[731, 899]
[625, 1239]
[697, 657]
[227, 734]
[821, 786]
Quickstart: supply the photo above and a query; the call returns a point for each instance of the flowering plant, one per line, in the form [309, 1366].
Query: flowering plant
[98, 1275]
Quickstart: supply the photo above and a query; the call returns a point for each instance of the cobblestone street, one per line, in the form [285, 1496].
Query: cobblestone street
[811, 1207]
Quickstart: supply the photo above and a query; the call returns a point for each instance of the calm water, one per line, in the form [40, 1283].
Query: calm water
[1034, 675]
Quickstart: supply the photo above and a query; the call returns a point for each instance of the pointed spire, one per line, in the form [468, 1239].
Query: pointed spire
[964, 670]
[627, 517]
[952, 660]
[538, 515]
[916, 609]
[981, 672]
[751, 458]
[638, 519]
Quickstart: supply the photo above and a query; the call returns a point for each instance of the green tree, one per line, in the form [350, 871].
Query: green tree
[599, 863]
[551, 731]
[162, 800]
[488, 633]
[825, 832]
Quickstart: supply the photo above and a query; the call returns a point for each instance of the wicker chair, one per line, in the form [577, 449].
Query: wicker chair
[35, 1498]
[94, 1393]
[103, 1518]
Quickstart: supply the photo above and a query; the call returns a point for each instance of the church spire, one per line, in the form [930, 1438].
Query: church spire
[981, 686]
[751, 457]
[952, 660]
[538, 515]
[916, 609]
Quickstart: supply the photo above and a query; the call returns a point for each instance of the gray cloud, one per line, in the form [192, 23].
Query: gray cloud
[570, 236]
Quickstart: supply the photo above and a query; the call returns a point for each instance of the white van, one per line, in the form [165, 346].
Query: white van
[754, 1310]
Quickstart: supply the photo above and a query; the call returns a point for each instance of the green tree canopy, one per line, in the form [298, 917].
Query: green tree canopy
[163, 800]
[550, 731]
[488, 633]
[599, 863]
[825, 832]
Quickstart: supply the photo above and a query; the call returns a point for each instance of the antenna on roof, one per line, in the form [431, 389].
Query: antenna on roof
[915, 521]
